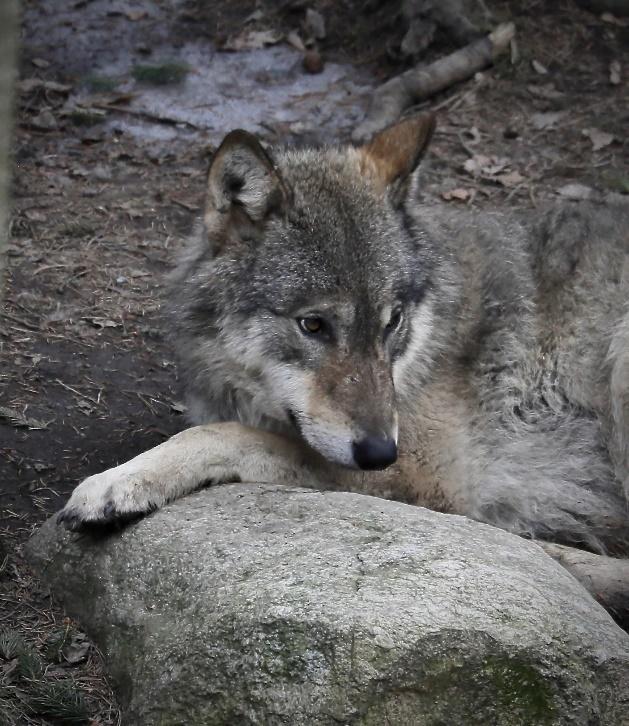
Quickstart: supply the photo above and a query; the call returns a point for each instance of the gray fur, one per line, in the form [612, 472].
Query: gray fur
[517, 403]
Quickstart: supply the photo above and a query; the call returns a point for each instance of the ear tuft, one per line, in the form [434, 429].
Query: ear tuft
[393, 154]
[244, 178]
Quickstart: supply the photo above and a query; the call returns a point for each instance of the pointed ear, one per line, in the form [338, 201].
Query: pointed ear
[393, 154]
[244, 187]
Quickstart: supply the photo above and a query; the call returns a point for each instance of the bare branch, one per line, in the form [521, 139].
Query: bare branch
[390, 99]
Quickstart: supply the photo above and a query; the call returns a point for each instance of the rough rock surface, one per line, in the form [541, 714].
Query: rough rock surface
[255, 604]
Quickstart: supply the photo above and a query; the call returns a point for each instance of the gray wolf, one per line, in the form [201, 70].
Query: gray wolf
[337, 331]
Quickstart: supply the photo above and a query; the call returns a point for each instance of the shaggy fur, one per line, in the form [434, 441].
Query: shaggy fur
[493, 351]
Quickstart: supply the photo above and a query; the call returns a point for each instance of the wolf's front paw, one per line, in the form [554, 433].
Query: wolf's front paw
[107, 499]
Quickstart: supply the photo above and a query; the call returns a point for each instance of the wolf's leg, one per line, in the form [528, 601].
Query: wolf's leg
[619, 397]
[211, 454]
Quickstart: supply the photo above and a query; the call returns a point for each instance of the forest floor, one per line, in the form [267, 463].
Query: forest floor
[119, 105]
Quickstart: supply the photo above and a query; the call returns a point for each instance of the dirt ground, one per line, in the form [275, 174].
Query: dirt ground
[109, 177]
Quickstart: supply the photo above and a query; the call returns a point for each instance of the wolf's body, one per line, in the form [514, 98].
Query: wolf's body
[343, 323]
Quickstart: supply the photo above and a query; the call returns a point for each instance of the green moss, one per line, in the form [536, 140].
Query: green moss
[85, 117]
[101, 84]
[616, 181]
[522, 689]
[162, 74]
[461, 687]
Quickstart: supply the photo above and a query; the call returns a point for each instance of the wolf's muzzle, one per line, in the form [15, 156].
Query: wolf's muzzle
[374, 452]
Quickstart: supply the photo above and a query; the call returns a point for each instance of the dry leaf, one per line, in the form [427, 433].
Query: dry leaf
[600, 139]
[294, 39]
[539, 68]
[547, 120]
[35, 215]
[19, 420]
[102, 322]
[28, 85]
[459, 195]
[575, 191]
[481, 165]
[252, 40]
[548, 92]
[76, 651]
[255, 16]
[135, 14]
[40, 63]
[474, 134]
[510, 179]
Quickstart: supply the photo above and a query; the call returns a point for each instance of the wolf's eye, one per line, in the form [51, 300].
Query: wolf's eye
[394, 322]
[310, 325]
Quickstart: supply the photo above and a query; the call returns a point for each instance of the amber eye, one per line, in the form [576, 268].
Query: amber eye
[310, 325]
[396, 319]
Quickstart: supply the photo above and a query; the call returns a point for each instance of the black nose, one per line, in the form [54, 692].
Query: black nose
[374, 453]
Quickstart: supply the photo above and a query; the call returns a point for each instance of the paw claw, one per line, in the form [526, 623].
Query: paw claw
[109, 520]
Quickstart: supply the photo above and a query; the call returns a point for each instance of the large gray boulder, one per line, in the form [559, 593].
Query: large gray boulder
[258, 604]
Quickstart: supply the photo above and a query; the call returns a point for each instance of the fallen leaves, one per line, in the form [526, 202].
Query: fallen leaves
[97, 322]
[459, 195]
[600, 139]
[548, 120]
[40, 63]
[546, 91]
[252, 40]
[539, 68]
[20, 420]
[493, 169]
[294, 39]
[29, 85]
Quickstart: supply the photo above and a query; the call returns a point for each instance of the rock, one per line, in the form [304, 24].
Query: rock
[259, 604]
[313, 62]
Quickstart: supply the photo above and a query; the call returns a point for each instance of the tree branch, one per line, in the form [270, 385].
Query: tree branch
[605, 578]
[390, 99]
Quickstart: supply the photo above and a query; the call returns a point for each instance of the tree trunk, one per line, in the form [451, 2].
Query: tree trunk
[8, 46]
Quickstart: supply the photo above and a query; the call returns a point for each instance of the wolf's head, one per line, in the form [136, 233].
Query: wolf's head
[310, 293]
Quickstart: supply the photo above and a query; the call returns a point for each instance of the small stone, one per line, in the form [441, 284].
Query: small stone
[313, 62]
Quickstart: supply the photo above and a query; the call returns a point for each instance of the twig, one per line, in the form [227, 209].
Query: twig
[19, 321]
[147, 115]
[78, 393]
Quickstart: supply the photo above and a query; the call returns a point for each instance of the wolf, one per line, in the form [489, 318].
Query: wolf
[337, 330]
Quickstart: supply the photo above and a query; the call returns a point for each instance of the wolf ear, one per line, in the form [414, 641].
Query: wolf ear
[393, 154]
[244, 187]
